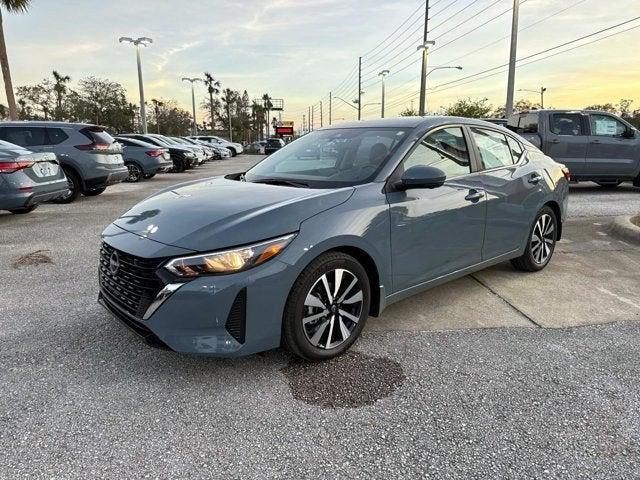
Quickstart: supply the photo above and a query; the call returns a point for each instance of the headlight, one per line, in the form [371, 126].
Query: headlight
[228, 261]
[190, 155]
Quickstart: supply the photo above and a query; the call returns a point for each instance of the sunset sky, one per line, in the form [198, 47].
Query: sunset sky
[301, 50]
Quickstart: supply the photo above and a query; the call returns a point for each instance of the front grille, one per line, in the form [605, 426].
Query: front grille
[134, 285]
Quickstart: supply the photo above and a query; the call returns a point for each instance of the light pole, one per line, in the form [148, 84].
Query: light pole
[424, 47]
[383, 74]
[144, 41]
[541, 92]
[457, 67]
[193, 100]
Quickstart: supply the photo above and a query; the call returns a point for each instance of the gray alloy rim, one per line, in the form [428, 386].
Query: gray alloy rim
[332, 309]
[543, 239]
[134, 173]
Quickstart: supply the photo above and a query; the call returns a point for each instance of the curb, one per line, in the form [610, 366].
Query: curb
[624, 228]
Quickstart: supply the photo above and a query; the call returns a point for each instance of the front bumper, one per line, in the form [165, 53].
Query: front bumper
[226, 315]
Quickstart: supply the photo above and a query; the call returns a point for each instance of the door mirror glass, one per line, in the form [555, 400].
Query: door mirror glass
[422, 176]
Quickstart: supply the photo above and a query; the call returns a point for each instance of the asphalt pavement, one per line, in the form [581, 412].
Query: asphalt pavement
[497, 375]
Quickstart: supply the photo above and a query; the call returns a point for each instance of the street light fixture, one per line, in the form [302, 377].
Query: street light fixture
[541, 92]
[193, 100]
[383, 74]
[144, 41]
[424, 47]
[457, 67]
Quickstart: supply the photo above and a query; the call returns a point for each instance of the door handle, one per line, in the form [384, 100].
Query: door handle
[474, 196]
[555, 140]
[535, 178]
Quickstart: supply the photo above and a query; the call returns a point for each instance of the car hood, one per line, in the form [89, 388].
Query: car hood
[219, 213]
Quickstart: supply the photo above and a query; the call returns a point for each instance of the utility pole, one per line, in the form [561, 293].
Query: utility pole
[321, 119]
[330, 102]
[542, 90]
[304, 123]
[360, 85]
[512, 58]
[193, 101]
[229, 117]
[144, 41]
[425, 54]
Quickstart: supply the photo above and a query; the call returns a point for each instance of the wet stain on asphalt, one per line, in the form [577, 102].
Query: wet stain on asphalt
[350, 381]
[38, 257]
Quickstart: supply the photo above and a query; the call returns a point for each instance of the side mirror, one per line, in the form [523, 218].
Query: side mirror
[422, 176]
[629, 133]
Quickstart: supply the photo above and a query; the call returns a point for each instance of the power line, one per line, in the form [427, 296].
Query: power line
[419, 8]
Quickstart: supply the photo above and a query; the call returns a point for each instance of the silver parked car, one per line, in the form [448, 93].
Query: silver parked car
[234, 148]
[90, 157]
[143, 159]
[28, 179]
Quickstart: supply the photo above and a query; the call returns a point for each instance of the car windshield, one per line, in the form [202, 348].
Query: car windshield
[330, 158]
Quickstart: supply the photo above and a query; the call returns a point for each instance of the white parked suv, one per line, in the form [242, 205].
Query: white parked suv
[234, 148]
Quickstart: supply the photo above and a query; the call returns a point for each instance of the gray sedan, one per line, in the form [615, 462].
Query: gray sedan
[28, 179]
[143, 159]
[330, 229]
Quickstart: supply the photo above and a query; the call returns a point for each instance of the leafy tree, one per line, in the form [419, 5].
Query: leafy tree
[409, 112]
[215, 110]
[268, 105]
[623, 108]
[169, 119]
[37, 100]
[60, 89]
[521, 105]
[257, 119]
[213, 88]
[470, 108]
[11, 6]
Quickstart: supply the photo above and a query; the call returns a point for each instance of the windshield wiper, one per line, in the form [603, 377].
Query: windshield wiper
[281, 181]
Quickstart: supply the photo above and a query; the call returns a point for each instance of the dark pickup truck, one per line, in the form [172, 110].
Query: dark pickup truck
[596, 146]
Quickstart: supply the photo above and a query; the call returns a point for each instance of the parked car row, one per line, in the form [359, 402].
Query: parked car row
[57, 161]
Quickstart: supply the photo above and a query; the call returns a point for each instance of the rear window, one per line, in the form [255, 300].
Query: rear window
[524, 123]
[97, 135]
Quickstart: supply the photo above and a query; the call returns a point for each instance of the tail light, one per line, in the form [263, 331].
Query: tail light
[10, 167]
[93, 146]
[566, 173]
[155, 153]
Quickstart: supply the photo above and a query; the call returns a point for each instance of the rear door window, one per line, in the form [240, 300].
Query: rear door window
[516, 149]
[25, 136]
[567, 124]
[493, 147]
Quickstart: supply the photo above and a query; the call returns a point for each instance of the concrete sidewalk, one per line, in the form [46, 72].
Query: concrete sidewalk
[593, 278]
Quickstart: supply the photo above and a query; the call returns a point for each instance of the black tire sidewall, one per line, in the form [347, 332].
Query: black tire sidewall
[293, 330]
[529, 253]
[70, 174]
[140, 172]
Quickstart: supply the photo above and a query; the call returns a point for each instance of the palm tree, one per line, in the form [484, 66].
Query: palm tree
[12, 6]
[60, 88]
[213, 87]
[266, 100]
[228, 99]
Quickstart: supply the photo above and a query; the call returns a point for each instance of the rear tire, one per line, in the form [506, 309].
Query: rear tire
[135, 172]
[541, 242]
[178, 165]
[233, 151]
[74, 187]
[327, 307]
[21, 211]
[94, 192]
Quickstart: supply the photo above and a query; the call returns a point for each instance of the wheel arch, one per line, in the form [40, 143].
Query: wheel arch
[68, 166]
[556, 209]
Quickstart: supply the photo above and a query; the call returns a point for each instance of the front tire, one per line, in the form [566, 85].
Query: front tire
[327, 307]
[541, 243]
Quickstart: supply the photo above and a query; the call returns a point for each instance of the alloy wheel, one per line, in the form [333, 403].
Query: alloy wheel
[332, 309]
[134, 173]
[543, 239]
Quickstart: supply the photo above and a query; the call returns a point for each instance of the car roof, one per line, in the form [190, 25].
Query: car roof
[135, 141]
[42, 123]
[423, 123]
